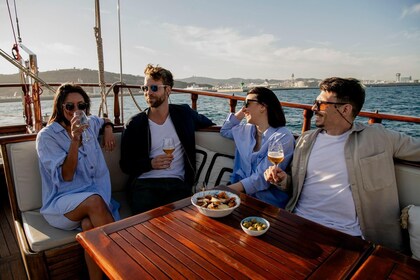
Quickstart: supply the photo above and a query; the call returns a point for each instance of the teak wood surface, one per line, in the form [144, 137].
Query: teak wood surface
[384, 263]
[176, 241]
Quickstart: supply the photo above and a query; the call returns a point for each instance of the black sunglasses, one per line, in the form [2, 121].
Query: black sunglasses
[153, 88]
[70, 106]
[318, 103]
[246, 104]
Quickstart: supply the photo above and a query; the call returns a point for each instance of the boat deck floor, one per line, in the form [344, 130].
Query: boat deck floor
[11, 264]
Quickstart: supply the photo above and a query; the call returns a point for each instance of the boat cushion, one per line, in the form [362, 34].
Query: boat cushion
[213, 168]
[410, 219]
[25, 168]
[41, 236]
[408, 178]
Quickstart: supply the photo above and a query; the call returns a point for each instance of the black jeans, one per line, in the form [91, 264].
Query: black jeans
[146, 194]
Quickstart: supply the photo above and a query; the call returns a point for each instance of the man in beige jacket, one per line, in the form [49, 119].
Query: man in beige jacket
[343, 172]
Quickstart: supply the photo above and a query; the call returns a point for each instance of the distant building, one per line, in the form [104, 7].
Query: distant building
[397, 77]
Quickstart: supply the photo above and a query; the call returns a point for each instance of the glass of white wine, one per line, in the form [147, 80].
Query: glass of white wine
[168, 146]
[275, 151]
[83, 122]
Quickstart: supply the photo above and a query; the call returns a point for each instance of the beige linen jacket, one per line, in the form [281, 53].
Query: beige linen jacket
[369, 154]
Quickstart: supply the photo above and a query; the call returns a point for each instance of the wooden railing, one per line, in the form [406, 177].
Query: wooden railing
[233, 100]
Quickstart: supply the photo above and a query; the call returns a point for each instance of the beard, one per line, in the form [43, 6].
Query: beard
[318, 121]
[156, 102]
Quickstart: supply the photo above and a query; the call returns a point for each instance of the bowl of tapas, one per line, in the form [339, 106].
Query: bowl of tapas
[215, 203]
[255, 226]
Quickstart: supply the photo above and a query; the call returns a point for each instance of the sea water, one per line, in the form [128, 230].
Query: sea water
[402, 100]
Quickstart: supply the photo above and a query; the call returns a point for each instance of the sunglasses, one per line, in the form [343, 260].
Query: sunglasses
[70, 106]
[318, 103]
[153, 88]
[246, 104]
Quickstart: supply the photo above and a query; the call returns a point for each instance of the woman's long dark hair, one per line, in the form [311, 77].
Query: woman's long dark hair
[57, 114]
[275, 112]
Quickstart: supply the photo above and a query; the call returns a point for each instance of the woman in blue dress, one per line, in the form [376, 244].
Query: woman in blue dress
[76, 186]
[265, 121]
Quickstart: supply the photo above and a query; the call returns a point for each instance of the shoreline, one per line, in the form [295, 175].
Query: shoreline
[51, 97]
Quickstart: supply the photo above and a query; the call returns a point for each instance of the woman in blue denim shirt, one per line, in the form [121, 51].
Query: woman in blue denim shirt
[265, 121]
[76, 186]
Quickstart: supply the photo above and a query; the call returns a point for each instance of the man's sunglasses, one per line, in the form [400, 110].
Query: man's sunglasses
[318, 103]
[153, 88]
[70, 106]
[246, 104]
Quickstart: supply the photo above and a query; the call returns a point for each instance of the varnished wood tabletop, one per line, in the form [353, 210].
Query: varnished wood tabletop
[176, 241]
[384, 263]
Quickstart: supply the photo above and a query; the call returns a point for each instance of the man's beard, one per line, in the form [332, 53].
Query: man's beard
[156, 102]
[319, 124]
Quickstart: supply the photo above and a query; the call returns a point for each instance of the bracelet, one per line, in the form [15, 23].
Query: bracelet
[106, 124]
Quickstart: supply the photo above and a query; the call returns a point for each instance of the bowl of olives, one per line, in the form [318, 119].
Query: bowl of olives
[255, 226]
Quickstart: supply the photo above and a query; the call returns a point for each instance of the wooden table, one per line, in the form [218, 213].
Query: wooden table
[384, 263]
[176, 241]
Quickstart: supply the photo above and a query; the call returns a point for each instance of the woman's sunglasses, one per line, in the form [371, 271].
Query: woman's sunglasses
[153, 88]
[70, 106]
[246, 104]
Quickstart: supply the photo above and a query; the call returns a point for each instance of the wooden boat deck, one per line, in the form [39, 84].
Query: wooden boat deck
[11, 265]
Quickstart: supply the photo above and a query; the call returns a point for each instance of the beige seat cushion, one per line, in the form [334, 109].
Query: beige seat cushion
[41, 236]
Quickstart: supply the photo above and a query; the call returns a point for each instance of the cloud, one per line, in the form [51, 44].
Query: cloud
[224, 51]
[413, 10]
[228, 45]
[145, 49]
[61, 48]
[412, 34]
[222, 43]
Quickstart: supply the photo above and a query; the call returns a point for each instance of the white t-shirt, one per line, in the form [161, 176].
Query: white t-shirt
[326, 196]
[158, 132]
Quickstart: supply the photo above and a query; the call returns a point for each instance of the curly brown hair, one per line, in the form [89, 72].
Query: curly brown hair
[159, 73]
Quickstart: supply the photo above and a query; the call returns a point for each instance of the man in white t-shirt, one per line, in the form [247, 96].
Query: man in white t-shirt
[343, 172]
[157, 178]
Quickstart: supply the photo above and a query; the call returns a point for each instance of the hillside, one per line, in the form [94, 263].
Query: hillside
[77, 76]
[91, 76]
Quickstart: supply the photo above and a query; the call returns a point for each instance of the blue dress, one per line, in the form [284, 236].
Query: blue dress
[91, 175]
[249, 166]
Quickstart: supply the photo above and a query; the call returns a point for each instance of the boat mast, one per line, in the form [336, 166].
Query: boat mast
[121, 77]
[103, 108]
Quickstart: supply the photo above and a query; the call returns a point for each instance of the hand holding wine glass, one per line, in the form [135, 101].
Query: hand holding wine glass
[168, 145]
[275, 151]
[83, 123]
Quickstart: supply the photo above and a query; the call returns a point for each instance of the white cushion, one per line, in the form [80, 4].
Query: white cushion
[25, 168]
[118, 178]
[408, 178]
[414, 230]
[41, 236]
[213, 168]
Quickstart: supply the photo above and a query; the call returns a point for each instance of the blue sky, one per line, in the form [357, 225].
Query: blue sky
[268, 39]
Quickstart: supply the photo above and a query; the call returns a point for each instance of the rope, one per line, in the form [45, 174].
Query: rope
[129, 90]
[11, 21]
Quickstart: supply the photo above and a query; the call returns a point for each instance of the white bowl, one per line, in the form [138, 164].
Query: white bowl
[255, 232]
[215, 213]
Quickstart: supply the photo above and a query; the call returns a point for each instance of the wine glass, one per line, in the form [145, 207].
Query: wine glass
[275, 151]
[83, 122]
[168, 145]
